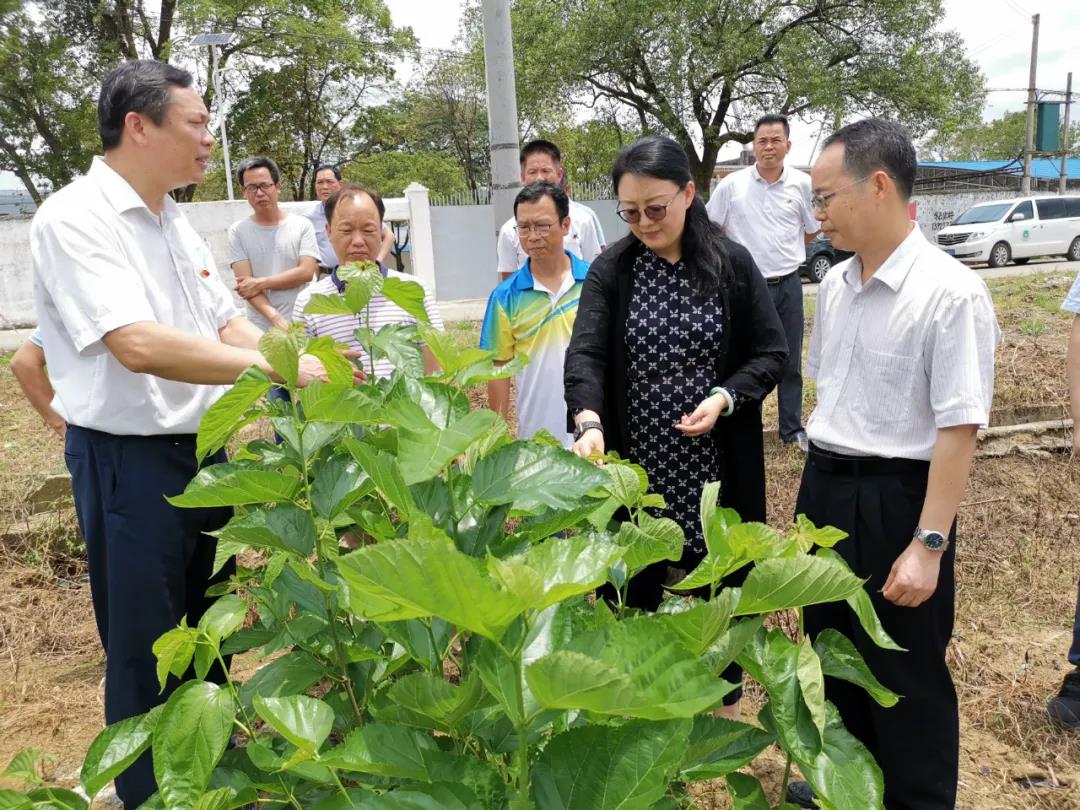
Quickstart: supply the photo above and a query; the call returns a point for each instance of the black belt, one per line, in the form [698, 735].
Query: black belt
[841, 464]
[777, 279]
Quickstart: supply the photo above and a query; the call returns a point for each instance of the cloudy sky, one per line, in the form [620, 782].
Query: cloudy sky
[997, 33]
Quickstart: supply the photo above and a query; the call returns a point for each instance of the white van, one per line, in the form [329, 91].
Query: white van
[1015, 230]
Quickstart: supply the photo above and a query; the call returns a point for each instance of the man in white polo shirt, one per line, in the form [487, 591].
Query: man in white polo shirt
[141, 336]
[766, 209]
[541, 161]
[355, 227]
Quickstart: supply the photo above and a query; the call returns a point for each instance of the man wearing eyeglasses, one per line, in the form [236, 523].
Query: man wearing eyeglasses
[766, 208]
[328, 181]
[533, 312]
[541, 161]
[902, 351]
[272, 253]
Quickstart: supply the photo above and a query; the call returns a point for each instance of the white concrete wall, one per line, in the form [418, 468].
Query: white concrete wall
[934, 211]
[212, 221]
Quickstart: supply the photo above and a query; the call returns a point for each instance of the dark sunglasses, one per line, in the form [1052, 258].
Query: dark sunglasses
[655, 212]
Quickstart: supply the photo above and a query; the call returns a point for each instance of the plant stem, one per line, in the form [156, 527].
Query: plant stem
[331, 612]
[341, 787]
[787, 776]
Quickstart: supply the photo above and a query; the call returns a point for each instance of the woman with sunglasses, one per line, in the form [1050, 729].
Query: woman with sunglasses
[675, 345]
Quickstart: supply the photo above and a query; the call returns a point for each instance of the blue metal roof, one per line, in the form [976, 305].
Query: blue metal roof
[1043, 168]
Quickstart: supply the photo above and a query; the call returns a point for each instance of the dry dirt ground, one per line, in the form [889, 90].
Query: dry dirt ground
[1018, 564]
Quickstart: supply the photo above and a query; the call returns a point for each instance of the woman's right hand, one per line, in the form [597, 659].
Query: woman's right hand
[591, 441]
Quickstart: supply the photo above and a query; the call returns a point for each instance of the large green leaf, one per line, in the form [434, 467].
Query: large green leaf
[731, 644]
[56, 798]
[746, 793]
[281, 348]
[625, 767]
[400, 344]
[440, 796]
[840, 659]
[779, 584]
[863, 606]
[843, 774]
[424, 454]
[339, 482]
[326, 402]
[236, 485]
[626, 669]
[772, 659]
[627, 483]
[530, 476]
[699, 626]
[407, 294]
[114, 749]
[656, 539]
[11, 800]
[557, 569]
[432, 702]
[302, 720]
[717, 746]
[812, 683]
[710, 497]
[383, 750]
[321, 304]
[289, 675]
[189, 738]
[230, 412]
[286, 527]
[174, 650]
[427, 577]
[339, 371]
[502, 677]
[385, 474]
[224, 617]
[441, 404]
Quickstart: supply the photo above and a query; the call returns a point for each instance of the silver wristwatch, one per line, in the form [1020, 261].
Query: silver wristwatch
[934, 541]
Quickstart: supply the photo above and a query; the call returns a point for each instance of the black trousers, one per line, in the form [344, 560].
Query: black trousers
[646, 591]
[149, 564]
[916, 742]
[787, 297]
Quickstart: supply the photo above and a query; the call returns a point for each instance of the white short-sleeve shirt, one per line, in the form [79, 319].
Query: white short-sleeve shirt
[907, 353]
[768, 219]
[585, 240]
[103, 260]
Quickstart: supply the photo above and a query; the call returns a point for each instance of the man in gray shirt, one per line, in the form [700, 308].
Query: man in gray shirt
[272, 253]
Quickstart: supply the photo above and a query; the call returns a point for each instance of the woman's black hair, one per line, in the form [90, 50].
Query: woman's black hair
[703, 248]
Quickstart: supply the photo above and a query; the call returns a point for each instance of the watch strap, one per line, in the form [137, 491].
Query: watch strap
[589, 425]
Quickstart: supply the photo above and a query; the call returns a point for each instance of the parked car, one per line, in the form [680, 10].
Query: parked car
[1015, 231]
[820, 256]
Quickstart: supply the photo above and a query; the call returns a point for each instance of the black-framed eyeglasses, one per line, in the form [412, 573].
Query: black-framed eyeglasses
[654, 212]
[821, 201]
[255, 188]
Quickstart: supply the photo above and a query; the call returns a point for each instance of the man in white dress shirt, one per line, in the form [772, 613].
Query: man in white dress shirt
[141, 336]
[902, 350]
[766, 209]
[542, 161]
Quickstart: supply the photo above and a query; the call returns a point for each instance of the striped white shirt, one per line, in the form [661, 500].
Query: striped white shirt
[342, 328]
[907, 353]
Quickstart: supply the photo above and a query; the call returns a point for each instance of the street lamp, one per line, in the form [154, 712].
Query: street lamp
[213, 41]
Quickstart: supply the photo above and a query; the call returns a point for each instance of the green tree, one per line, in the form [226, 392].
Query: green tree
[47, 119]
[390, 172]
[704, 70]
[589, 148]
[998, 139]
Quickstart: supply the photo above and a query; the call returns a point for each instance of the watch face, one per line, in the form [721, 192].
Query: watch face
[933, 541]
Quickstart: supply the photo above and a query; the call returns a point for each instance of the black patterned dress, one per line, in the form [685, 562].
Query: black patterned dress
[672, 340]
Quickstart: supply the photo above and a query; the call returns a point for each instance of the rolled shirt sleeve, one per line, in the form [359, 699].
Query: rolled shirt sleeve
[507, 248]
[309, 245]
[960, 360]
[717, 207]
[76, 263]
[592, 240]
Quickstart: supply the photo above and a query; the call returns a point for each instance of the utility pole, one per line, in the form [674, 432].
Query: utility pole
[1065, 136]
[502, 108]
[1029, 143]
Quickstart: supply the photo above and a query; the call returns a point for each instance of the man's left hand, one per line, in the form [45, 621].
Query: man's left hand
[914, 576]
[248, 287]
